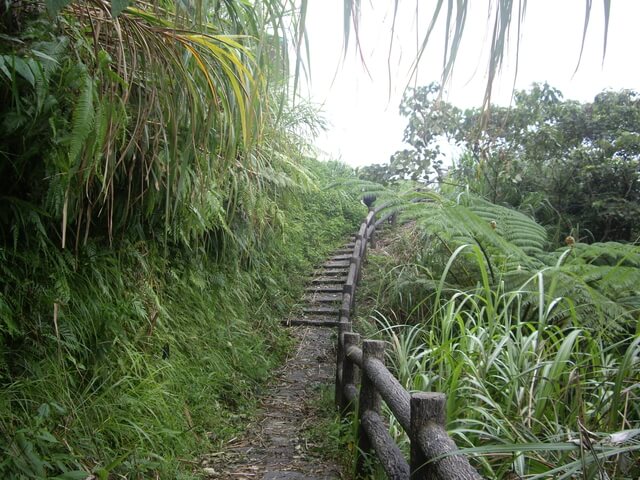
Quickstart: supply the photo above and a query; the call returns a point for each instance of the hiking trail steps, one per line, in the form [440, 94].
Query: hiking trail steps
[273, 446]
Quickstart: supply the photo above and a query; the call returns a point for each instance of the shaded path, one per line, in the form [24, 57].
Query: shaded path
[274, 447]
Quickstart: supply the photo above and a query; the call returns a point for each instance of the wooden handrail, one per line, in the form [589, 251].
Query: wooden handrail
[391, 458]
[394, 395]
[434, 454]
[354, 354]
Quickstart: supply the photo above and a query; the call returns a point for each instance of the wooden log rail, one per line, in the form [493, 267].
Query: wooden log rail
[421, 415]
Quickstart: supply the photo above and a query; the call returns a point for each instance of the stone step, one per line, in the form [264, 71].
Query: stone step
[324, 288]
[331, 279]
[312, 322]
[323, 298]
[341, 256]
[318, 310]
[344, 251]
[336, 264]
[328, 272]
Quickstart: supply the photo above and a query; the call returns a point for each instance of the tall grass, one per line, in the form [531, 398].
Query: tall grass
[539, 358]
[154, 357]
[154, 200]
[528, 397]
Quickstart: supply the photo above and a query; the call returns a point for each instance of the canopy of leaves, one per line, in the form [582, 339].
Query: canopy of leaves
[574, 166]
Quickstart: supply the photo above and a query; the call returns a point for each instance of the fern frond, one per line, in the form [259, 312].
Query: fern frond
[509, 238]
[82, 118]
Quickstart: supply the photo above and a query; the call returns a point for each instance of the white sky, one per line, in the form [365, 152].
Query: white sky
[365, 126]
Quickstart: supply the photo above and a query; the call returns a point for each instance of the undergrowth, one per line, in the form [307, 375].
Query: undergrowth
[153, 356]
[330, 435]
[335, 437]
[157, 212]
[537, 349]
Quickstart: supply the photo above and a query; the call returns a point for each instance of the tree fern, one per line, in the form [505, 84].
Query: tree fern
[508, 238]
[589, 285]
[515, 227]
[609, 253]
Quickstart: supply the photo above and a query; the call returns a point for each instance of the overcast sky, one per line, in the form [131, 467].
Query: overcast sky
[361, 104]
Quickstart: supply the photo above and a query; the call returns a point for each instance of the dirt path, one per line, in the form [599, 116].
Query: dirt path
[274, 447]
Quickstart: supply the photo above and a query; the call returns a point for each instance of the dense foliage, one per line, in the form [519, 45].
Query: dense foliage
[537, 348]
[155, 209]
[574, 166]
[513, 284]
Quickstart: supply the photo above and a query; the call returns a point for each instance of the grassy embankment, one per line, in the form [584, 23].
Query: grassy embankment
[156, 206]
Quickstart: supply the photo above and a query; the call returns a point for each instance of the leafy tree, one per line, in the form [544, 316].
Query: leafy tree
[575, 166]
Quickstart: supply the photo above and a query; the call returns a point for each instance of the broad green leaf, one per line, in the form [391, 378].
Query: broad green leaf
[54, 6]
[23, 69]
[46, 437]
[74, 475]
[117, 6]
[44, 56]
[3, 67]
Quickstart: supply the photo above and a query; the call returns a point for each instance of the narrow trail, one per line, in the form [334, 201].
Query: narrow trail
[273, 447]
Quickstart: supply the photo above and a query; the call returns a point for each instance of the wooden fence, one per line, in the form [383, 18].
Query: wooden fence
[421, 415]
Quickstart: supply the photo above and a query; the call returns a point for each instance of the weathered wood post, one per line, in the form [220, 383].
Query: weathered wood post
[370, 399]
[355, 266]
[350, 286]
[370, 228]
[343, 327]
[345, 305]
[362, 235]
[357, 257]
[426, 407]
[430, 440]
[363, 252]
[361, 243]
[349, 372]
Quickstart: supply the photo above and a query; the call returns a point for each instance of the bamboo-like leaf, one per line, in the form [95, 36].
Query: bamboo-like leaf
[607, 14]
[628, 366]
[587, 16]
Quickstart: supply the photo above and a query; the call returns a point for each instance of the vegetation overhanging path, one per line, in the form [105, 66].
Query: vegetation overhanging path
[274, 447]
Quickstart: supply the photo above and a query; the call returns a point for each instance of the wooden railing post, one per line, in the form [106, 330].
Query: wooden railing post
[426, 407]
[343, 327]
[369, 399]
[349, 372]
[355, 261]
[429, 440]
